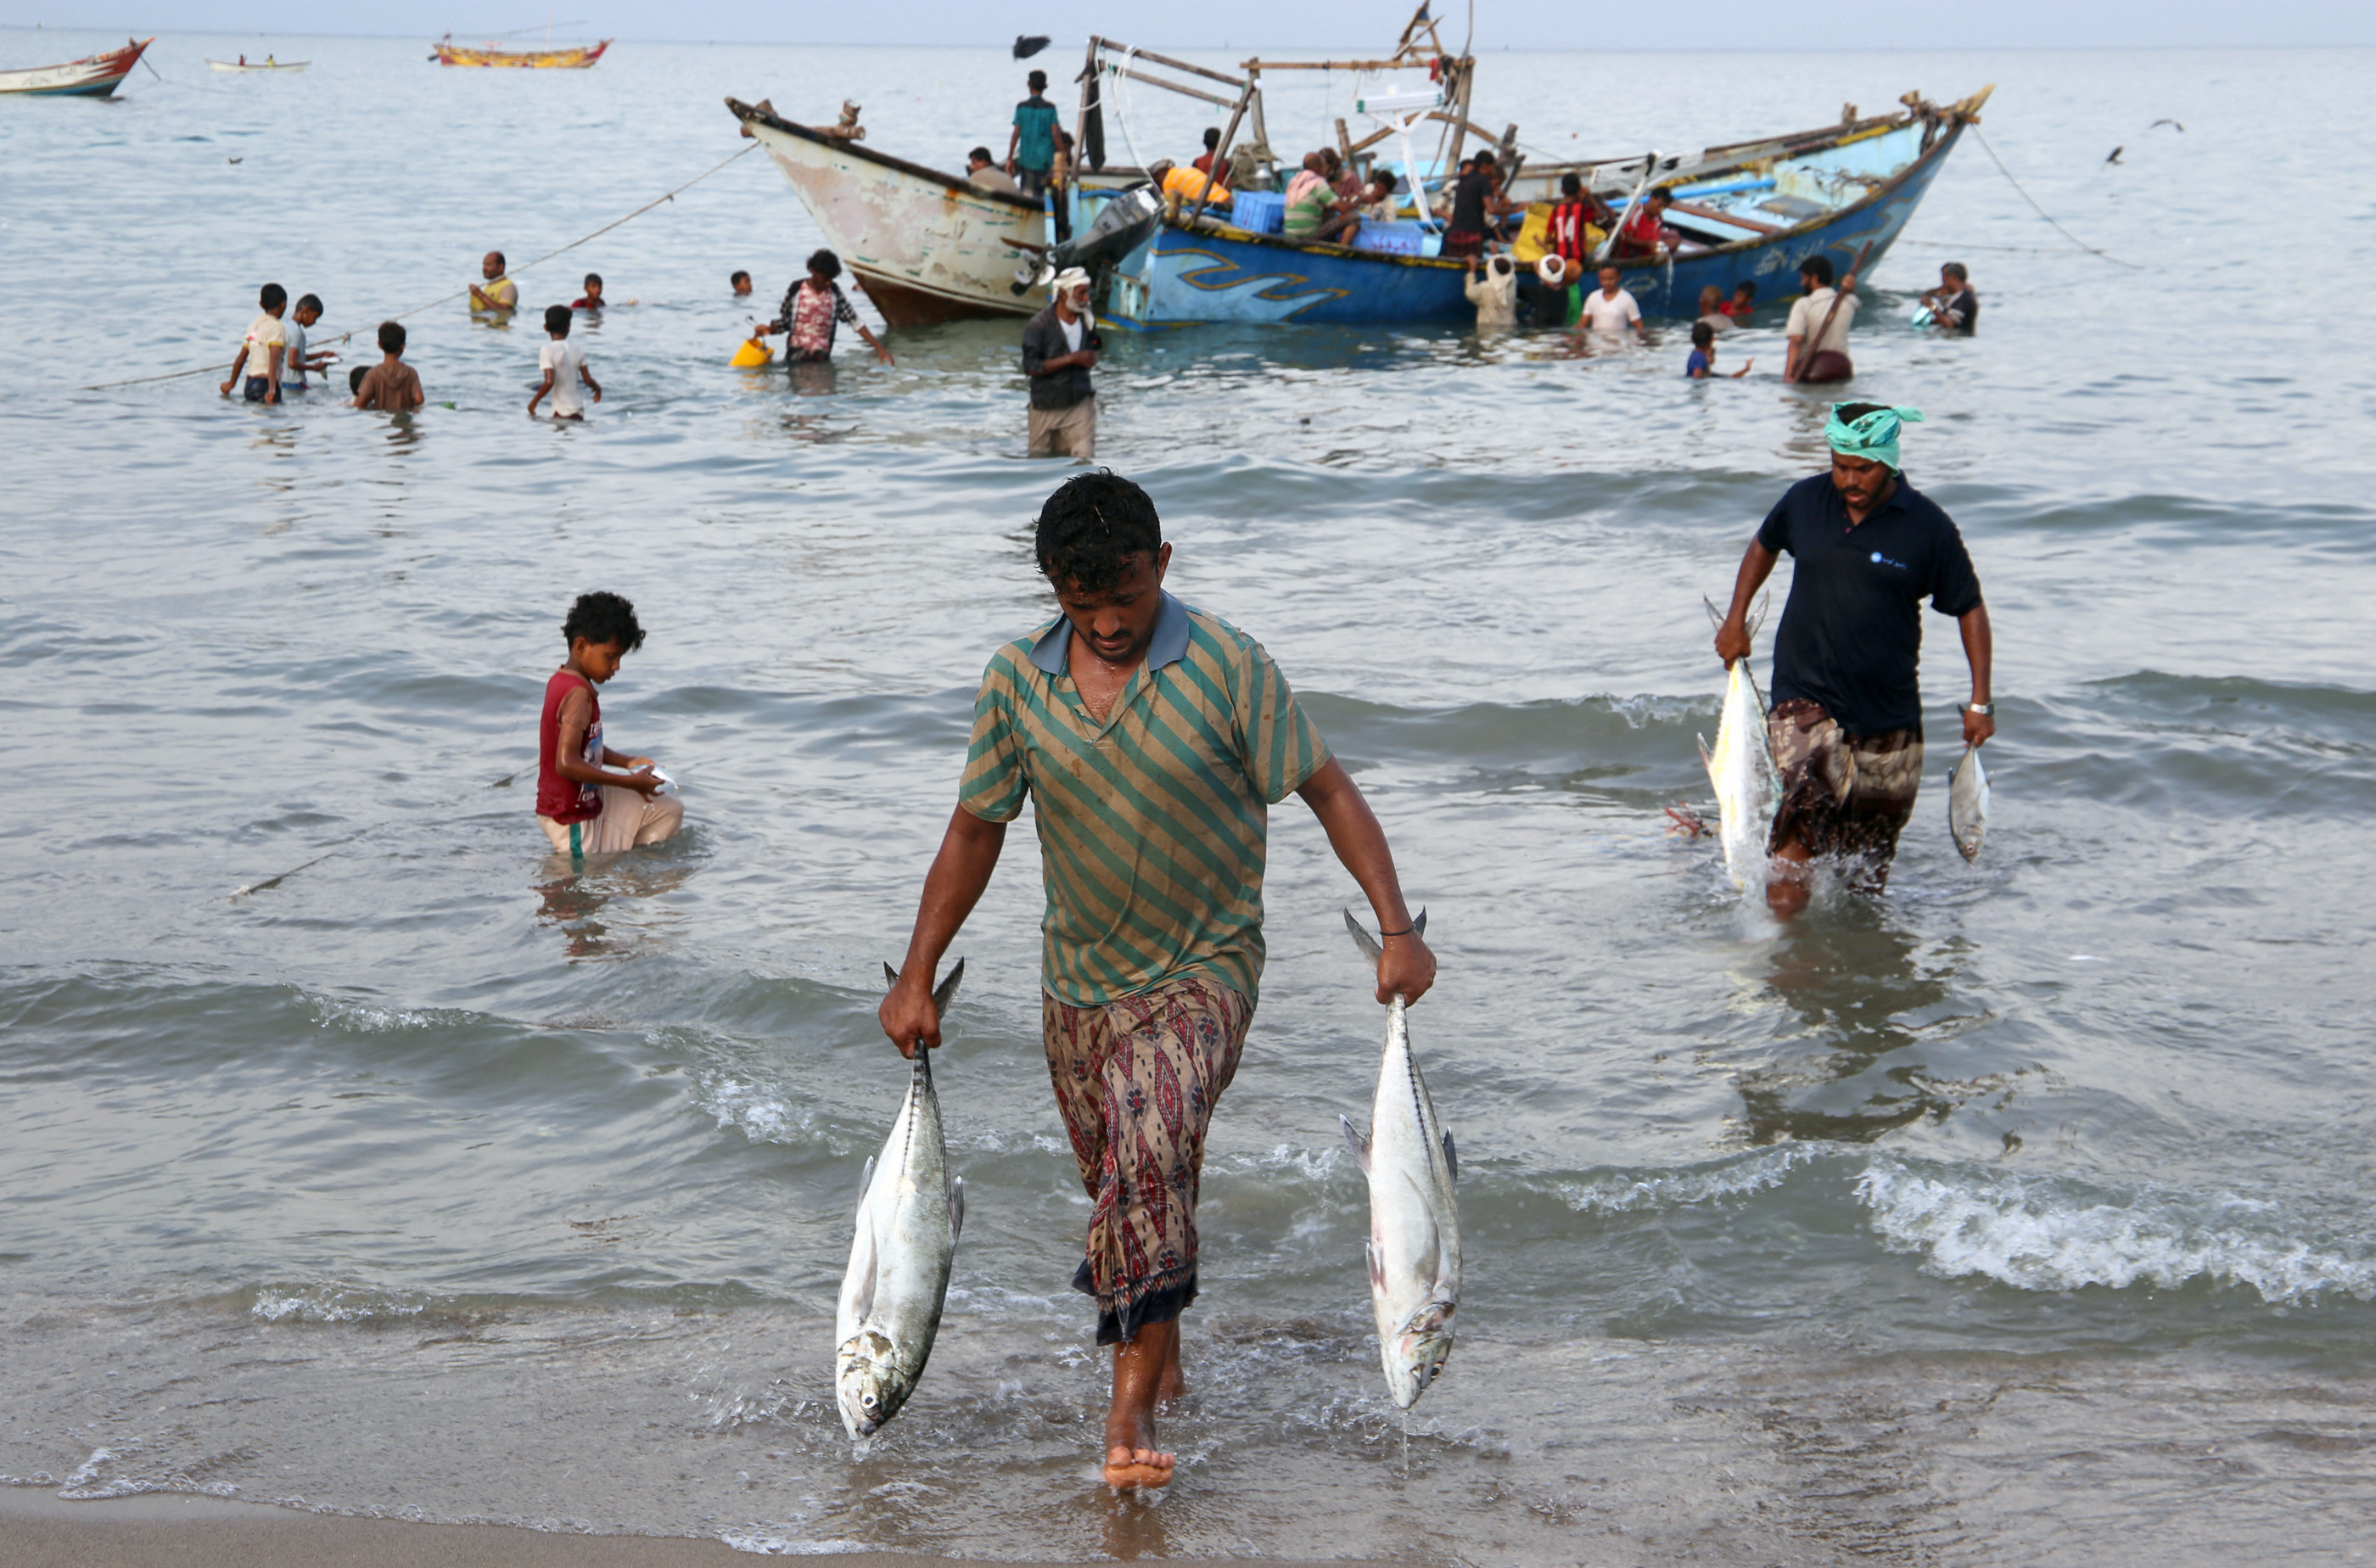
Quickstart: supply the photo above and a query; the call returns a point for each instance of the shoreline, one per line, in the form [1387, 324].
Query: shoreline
[40, 1529]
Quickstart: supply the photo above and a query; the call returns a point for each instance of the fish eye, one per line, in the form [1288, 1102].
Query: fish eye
[868, 1400]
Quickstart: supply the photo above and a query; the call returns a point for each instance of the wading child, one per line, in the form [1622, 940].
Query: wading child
[592, 299]
[264, 351]
[390, 385]
[585, 808]
[1701, 364]
[293, 367]
[563, 364]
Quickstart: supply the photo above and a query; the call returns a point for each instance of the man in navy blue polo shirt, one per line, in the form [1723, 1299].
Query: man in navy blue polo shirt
[1846, 725]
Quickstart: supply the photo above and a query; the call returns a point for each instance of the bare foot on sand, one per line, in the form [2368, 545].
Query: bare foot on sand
[1145, 1370]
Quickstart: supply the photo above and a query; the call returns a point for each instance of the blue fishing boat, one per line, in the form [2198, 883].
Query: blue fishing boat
[1747, 213]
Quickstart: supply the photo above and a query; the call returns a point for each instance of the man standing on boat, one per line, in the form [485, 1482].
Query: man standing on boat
[1846, 725]
[1060, 347]
[1152, 741]
[1031, 146]
[500, 295]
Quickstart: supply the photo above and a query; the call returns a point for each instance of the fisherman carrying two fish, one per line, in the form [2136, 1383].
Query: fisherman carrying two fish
[1846, 725]
[1153, 739]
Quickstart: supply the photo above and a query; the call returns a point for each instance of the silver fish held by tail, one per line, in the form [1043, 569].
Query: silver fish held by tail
[1414, 1221]
[909, 1216]
[1740, 767]
[1967, 804]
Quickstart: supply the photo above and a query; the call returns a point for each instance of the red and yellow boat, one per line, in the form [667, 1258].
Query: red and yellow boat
[574, 59]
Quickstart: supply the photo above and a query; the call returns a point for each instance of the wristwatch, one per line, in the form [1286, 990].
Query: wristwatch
[1984, 710]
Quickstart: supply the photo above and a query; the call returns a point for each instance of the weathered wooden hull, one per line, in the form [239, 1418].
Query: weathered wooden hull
[927, 246]
[94, 78]
[522, 59]
[1186, 276]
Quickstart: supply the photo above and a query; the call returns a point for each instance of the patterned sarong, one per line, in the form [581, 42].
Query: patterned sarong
[1845, 797]
[1136, 1081]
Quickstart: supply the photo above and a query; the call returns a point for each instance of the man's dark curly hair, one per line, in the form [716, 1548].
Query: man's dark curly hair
[603, 618]
[1091, 527]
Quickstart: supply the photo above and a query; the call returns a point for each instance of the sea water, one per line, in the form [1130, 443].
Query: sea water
[2019, 1214]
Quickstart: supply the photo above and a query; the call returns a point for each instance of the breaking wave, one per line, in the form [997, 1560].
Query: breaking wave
[2057, 1234]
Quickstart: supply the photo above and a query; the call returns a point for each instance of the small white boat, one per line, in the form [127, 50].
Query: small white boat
[267, 64]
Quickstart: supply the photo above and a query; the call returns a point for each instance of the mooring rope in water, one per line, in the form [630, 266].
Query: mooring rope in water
[2058, 228]
[335, 844]
[448, 299]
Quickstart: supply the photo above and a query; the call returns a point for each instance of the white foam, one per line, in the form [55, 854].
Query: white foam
[366, 1017]
[329, 1306]
[757, 1108]
[2054, 1235]
[776, 1546]
[1616, 1193]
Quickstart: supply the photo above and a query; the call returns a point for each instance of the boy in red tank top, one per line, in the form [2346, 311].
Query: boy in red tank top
[584, 807]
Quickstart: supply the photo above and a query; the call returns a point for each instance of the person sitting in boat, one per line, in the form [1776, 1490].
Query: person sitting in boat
[1212, 149]
[812, 308]
[1315, 212]
[1644, 230]
[984, 172]
[1477, 206]
[1187, 185]
[1342, 177]
[500, 295]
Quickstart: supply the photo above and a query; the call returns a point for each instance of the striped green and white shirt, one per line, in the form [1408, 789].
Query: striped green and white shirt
[1154, 826]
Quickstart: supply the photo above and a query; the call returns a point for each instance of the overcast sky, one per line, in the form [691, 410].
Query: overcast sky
[1335, 24]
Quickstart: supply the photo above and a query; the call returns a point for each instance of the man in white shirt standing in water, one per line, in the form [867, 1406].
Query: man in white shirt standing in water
[1609, 310]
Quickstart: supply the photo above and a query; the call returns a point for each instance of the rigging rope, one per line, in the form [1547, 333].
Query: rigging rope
[2043, 213]
[447, 299]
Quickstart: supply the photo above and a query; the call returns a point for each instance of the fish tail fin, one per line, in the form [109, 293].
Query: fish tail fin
[1707, 760]
[1361, 1144]
[948, 988]
[865, 1179]
[1715, 616]
[1364, 940]
[956, 1210]
[1757, 616]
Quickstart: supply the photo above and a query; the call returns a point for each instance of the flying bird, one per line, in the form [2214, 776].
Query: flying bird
[2116, 154]
[2160, 122]
[237, 160]
[1027, 44]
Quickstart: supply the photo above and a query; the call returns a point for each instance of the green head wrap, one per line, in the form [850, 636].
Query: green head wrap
[1873, 437]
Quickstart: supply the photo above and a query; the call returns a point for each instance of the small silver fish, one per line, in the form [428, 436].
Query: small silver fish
[1967, 804]
[1414, 1221]
[909, 1216]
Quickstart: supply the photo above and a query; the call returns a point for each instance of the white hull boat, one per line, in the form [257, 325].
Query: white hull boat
[928, 247]
[233, 67]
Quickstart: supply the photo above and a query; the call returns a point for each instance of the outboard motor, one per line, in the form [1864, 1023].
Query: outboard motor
[1125, 225]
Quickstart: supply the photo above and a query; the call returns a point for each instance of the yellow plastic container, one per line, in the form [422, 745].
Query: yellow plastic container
[751, 354]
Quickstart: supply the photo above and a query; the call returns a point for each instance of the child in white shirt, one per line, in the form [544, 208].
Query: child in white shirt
[564, 366]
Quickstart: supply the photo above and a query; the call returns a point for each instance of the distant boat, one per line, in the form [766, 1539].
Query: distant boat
[94, 78]
[267, 64]
[574, 59]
